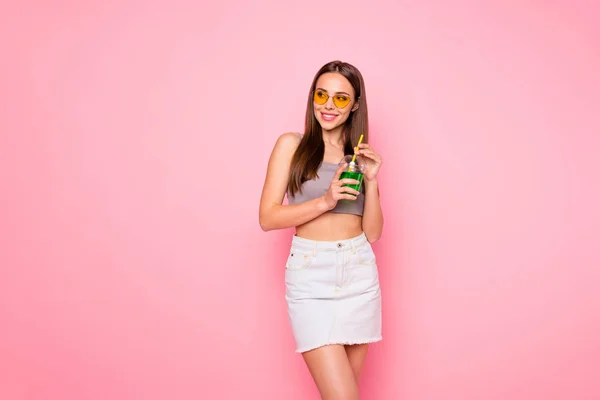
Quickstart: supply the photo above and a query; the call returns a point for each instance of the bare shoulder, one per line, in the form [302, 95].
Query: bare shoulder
[286, 145]
[288, 140]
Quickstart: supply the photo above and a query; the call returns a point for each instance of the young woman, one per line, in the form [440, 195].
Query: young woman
[331, 277]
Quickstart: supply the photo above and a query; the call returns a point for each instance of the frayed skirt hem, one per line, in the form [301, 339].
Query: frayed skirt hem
[343, 342]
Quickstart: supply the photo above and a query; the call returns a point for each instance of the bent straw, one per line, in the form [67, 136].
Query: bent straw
[354, 156]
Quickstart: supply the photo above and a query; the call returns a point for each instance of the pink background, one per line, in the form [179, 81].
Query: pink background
[134, 141]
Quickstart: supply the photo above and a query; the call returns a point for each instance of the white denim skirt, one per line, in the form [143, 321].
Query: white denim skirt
[332, 292]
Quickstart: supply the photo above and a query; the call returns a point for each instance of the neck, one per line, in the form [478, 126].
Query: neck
[334, 136]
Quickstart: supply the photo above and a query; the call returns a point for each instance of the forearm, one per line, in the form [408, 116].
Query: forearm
[372, 222]
[280, 216]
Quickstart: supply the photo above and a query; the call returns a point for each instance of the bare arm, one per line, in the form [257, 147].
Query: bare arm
[373, 216]
[272, 213]
[372, 222]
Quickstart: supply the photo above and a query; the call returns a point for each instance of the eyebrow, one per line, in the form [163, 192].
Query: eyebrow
[347, 94]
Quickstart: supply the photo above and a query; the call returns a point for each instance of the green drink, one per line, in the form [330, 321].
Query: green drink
[352, 175]
[354, 171]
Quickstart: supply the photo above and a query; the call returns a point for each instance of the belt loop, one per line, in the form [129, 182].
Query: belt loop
[353, 247]
[315, 249]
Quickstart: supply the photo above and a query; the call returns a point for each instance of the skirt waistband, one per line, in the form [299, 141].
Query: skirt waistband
[337, 245]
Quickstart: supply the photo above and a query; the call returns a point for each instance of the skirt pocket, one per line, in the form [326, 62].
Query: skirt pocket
[365, 255]
[299, 260]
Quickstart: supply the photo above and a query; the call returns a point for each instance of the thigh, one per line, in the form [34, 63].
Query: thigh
[356, 354]
[332, 373]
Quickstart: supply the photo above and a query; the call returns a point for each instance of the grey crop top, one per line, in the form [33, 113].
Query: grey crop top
[317, 187]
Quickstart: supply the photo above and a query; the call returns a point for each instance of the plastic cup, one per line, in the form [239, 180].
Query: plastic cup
[353, 171]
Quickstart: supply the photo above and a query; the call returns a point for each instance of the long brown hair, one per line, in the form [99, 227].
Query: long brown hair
[309, 154]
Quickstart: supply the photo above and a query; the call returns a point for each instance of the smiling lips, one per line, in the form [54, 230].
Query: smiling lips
[328, 117]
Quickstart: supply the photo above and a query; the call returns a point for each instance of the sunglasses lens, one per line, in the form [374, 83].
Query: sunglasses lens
[321, 97]
[341, 101]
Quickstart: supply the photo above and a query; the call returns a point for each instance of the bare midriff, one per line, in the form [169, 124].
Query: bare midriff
[331, 227]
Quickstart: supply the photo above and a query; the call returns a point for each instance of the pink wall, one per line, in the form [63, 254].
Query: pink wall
[134, 140]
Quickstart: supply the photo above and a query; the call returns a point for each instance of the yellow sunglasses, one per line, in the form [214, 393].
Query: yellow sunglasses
[340, 100]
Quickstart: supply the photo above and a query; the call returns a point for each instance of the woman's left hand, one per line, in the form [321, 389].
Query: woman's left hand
[371, 159]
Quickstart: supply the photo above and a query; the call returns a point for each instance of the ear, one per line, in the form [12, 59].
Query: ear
[355, 106]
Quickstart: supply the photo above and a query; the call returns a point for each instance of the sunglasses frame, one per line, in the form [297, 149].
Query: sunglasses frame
[314, 92]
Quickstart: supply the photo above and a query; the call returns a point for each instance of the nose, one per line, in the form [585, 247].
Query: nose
[329, 105]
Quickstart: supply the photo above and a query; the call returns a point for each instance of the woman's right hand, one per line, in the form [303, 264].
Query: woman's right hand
[337, 191]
